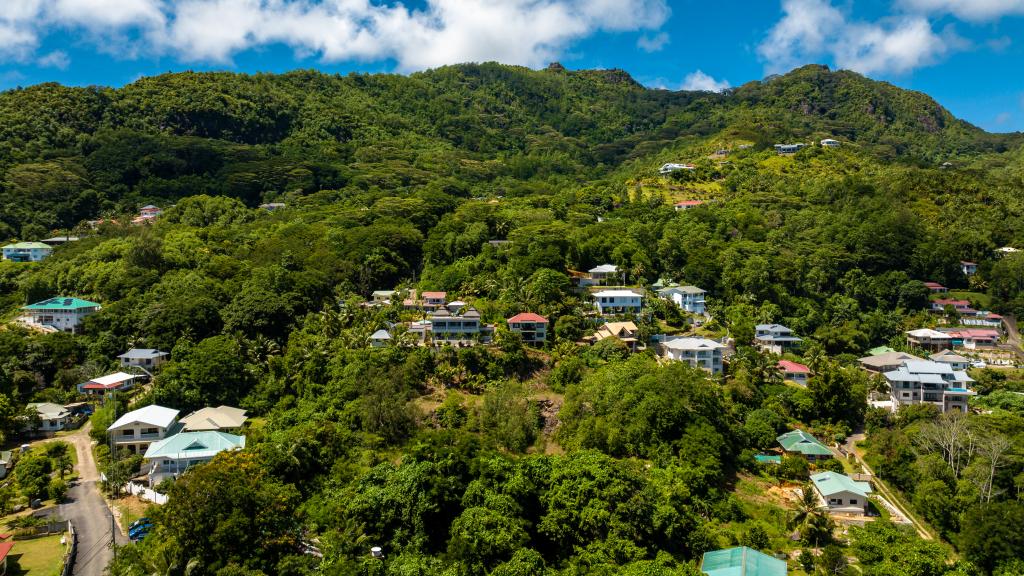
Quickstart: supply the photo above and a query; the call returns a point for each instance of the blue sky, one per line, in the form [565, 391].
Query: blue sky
[965, 53]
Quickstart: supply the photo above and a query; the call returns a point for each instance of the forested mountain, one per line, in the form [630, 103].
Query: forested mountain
[506, 459]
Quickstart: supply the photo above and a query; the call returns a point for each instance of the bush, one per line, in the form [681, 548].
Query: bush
[57, 489]
[832, 465]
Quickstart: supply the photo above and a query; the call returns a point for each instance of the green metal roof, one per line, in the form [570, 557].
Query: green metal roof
[61, 303]
[804, 443]
[29, 246]
[829, 483]
[880, 350]
[204, 444]
[741, 561]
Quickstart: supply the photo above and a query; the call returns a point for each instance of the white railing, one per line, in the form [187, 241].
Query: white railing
[145, 493]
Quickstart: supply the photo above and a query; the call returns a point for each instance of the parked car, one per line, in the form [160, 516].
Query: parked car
[139, 531]
[139, 522]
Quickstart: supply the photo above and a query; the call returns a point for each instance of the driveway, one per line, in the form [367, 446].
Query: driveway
[87, 510]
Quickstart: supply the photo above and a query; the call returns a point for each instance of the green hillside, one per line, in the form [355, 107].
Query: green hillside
[496, 184]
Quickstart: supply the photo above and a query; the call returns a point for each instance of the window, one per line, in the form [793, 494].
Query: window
[836, 501]
[906, 394]
[128, 433]
[853, 500]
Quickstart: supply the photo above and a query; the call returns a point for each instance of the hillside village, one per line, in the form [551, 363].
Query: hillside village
[701, 357]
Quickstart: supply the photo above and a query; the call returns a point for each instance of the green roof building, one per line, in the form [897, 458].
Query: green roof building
[60, 314]
[26, 251]
[841, 493]
[880, 350]
[801, 442]
[175, 454]
[741, 561]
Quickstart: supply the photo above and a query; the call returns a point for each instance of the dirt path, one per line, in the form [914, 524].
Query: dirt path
[80, 439]
[1012, 335]
[883, 490]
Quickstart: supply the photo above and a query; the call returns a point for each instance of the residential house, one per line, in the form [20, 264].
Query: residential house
[929, 339]
[456, 307]
[116, 382]
[960, 306]
[626, 332]
[955, 361]
[60, 314]
[383, 297]
[880, 350]
[801, 443]
[145, 358]
[929, 382]
[52, 417]
[830, 143]
[984, 319]
[58, 240]
[774, 338]
[137, 429]
[26, 251]
[687, 204]
[170, 457]
[794, 372]
[618, 302]
[742, 561]
[462, 329]
[434, 300]
[840, 493]
[789, 148]
[936, 288]
[974, 338]
[886, 361]
[147, 214]
[219, 419]
[697, 352]
[379, 339]
[671, 167]
[603, 275]
[688, 298]
[272, 206]
[533, 328]
[1005, 250]
[968, 268]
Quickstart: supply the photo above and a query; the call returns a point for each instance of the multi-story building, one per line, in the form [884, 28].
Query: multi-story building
[26, 251]
[59, 314]
[533, 328]
[171, 456]
[464, 328]
[618, 302]
[603, 275]
[697, 352]
[688, 298]
[136, 430]
[774, 338]
[929, 382]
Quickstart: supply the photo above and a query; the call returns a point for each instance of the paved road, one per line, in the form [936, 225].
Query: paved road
[87, 510]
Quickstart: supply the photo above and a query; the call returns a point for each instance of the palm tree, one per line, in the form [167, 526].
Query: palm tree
[814, 524]
[64, 464]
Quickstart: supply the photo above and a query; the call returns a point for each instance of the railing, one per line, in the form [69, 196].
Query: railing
[69, 556]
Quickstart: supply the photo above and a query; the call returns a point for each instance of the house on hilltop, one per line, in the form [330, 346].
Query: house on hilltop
[26, 251]
[59, 314]
[840, 493]
[626, 332]
[172, 456]
[697, 352]
[929, 382]
[533, 328]
[137, 429]
[774, 338]
[794, 372]
[219, 419]
[146, 358]
[688, 298]
[803, 444]
[742, 561]
[622, 301]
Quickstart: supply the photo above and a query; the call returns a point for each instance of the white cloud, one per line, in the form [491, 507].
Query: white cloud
[813, 30]
[700, 81]
[973, 10]
[529, 32]
[653, 43]
[56, 59]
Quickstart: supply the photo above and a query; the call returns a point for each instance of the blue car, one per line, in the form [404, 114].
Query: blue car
[138, 522]
[139, 531]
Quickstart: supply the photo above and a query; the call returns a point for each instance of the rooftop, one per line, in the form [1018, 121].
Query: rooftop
[380, 335]
[142, 354]
[204, 444]
[604, 269]
[29, 246]
[221, 417]
[49, 409]
[788, 366]
[527, 317]
[829, 483]
[741, 561]
[152, 415]
[692, 344]
[616, 294]
[804, 443]
[62, 303]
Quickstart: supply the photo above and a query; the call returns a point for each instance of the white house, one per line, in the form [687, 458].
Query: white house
[687, 204]
[689, 298]
[52, 417]
[533, 328]
[929, 339]
[219, 419]
[116, 382]
[830, 143]
[460, 329]
[968, 268]
[59, 314]
[618, 302]
[671, 167]
[697, 352]
[603, 275]
[26, 251]
[774, 338]
[840, 493]
[929, 382]
[174, 455]
[383, 297]
[147, 358]
[379, 339]
[137, 429]
[789, 148]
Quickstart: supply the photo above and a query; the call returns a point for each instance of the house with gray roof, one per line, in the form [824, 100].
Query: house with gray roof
[775, 338]
[688, 298]
[929, 382]
[146, 358]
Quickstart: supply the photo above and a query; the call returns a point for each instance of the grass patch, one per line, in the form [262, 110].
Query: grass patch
[130, 509]
[37, 557]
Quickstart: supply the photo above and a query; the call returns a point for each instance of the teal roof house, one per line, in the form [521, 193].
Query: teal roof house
[175, 454]
[59, 314]
[841, 493]
[26, 251]
[741, 561]
[802, 443]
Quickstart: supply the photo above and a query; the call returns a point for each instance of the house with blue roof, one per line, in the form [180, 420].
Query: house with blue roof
[741, 561]
[58, 314]
[840, 493]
